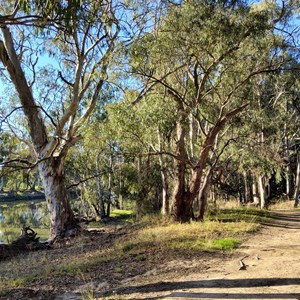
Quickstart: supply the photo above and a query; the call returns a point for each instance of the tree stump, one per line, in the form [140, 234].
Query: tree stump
[26, 242]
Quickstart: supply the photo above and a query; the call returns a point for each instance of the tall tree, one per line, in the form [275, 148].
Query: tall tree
[82, 45]
[204, 57]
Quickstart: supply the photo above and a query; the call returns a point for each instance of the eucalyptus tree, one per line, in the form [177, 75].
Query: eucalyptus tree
[38, 13]
[260, 160]
[204, 56]
[58, 100]
[143, 135]
[93, 170]
[266, 127]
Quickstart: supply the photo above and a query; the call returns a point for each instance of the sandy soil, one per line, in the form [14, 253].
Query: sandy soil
[270, 269]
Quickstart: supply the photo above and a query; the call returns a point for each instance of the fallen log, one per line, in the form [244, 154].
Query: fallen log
[27, 241]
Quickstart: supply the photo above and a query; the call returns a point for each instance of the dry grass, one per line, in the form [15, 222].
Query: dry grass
[206, 235]
[282, 204]
[137, 247]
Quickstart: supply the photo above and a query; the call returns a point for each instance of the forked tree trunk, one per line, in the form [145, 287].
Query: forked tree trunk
[47, 148]
[62, 220]
[182, 211]
[209, 142]
[183, 197]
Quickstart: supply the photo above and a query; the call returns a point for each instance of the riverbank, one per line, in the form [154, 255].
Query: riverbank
[149, 257]
[24, 196]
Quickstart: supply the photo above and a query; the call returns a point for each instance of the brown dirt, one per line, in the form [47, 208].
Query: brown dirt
[271, 256]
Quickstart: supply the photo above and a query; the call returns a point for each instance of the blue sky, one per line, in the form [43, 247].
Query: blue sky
[45, 60]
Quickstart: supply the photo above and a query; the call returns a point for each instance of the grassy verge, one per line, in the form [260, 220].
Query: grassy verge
[208, 235]
[129, 253]
[248, 215]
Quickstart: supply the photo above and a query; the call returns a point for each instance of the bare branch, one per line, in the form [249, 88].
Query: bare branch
[84, 180]
[65, 80]
[34, 106]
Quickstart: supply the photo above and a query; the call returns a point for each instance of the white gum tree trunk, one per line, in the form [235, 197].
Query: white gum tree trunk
[255, 192]
[62, 219]
[165, 208]
[261, 188]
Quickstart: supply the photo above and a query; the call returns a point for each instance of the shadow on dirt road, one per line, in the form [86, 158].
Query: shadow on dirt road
[285, 219]
[216, 284]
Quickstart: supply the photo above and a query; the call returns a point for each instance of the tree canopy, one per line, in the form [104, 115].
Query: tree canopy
[165, 104]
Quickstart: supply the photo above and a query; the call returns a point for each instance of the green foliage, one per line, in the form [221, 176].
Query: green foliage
[57, 11]
[203, 51]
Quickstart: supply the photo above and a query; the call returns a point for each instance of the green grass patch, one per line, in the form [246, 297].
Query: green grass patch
[124, 215]
[225, 244]
[4, 293]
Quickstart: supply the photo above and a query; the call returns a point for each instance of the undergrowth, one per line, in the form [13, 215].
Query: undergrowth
[148, 241]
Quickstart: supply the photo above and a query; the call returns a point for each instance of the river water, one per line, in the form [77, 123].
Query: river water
[14, 215]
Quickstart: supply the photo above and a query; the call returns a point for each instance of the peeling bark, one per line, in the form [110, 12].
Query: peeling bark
[62, 220]
[180, 209]
[50, 151]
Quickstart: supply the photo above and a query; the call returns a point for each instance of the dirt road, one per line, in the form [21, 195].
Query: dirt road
[271, 271]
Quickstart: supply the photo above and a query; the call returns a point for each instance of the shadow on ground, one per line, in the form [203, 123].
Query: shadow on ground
[213, 284]
[286, 219]
[235, 296]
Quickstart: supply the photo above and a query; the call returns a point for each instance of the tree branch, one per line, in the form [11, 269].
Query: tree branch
[84, 180]
[10, 60]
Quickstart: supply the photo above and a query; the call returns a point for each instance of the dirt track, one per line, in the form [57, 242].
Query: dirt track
[272, 259]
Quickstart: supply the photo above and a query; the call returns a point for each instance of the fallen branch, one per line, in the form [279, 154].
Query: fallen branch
[242, 264]
[27, 241]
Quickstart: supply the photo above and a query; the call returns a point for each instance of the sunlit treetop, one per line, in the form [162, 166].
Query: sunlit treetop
[50, 13]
